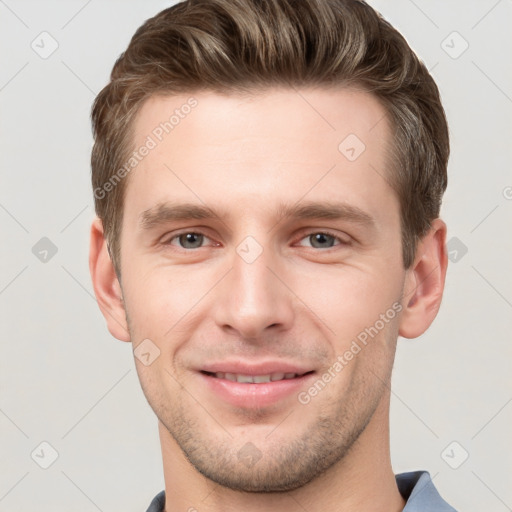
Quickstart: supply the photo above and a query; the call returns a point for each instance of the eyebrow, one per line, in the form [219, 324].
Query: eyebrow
[167, 212]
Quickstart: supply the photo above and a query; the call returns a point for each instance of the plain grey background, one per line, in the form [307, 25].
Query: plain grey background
[66, 382]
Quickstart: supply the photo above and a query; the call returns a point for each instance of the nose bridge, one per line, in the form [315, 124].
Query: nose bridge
[253, 298]
[251, 275]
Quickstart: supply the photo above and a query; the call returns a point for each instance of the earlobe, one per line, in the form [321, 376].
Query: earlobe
[424, 283]
[106, 285]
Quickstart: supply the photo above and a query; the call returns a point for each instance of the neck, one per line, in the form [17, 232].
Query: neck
[363, 480]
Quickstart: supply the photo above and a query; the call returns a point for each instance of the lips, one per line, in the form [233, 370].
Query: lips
[254, 385]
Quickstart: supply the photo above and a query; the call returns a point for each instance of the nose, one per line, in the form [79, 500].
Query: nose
[254, 300]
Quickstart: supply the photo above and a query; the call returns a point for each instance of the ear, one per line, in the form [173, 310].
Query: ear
[424, 282]
[106, 285]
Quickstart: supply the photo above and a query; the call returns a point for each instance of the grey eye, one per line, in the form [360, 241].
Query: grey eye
[191, 240]
[321, 240]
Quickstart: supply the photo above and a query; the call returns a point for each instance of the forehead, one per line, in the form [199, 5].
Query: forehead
[263, 112]
[277, 143]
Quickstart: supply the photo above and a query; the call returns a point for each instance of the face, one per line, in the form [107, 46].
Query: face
[260, 241]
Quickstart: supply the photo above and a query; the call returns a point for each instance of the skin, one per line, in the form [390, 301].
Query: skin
[245, 157]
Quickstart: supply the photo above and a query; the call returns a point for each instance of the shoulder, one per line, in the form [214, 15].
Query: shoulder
[158, 503]
[420, 493]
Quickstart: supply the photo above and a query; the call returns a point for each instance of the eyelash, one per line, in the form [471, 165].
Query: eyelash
[310, 233]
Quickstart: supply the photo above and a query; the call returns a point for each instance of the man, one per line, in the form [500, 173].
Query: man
[268, 177]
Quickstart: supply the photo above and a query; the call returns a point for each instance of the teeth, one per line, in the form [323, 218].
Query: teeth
[255, 379]
[261, 378]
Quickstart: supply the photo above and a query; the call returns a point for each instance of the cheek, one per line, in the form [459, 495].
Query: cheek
[161, 300]
[349, 299]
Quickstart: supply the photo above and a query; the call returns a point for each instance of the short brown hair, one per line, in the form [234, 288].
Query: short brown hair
[235, 46]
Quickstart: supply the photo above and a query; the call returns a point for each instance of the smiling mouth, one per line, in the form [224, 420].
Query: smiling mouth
[255, 379]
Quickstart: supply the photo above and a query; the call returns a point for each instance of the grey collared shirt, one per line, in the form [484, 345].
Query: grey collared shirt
[416, 488]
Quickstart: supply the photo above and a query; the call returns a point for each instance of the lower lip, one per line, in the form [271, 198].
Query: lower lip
[252, 395]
